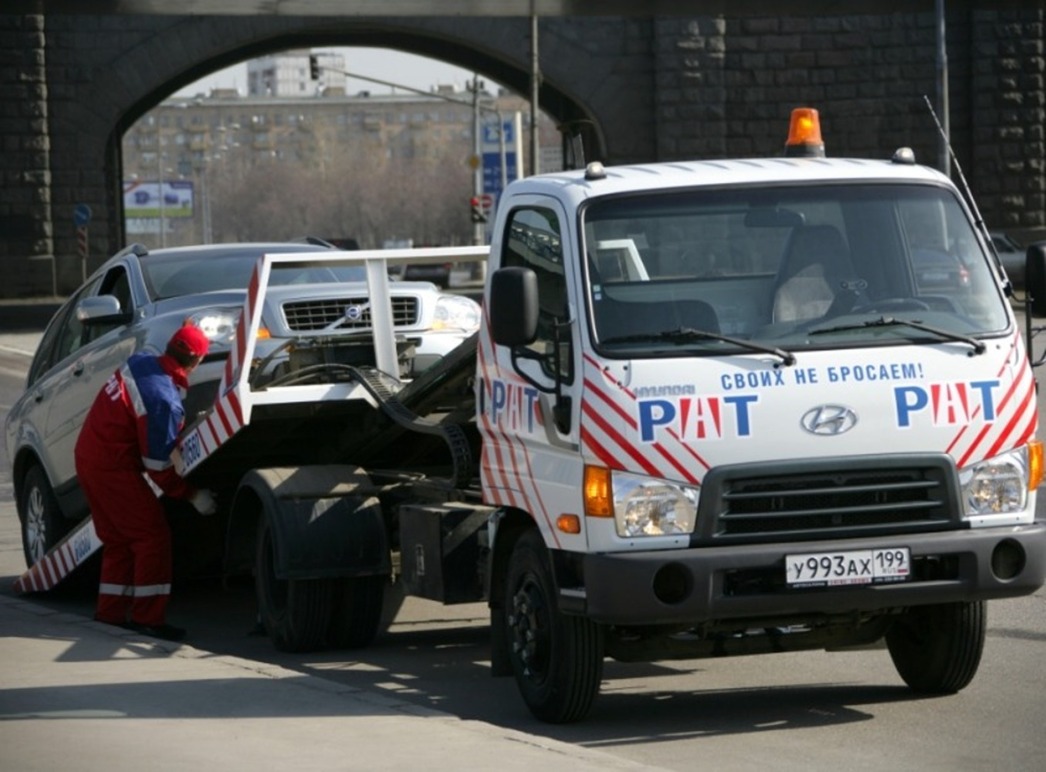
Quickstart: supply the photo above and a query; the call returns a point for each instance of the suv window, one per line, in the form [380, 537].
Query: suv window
[73, 333]
[64, 335]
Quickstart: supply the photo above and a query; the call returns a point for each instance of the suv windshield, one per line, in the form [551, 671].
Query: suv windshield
[790, 268]
[175, 274]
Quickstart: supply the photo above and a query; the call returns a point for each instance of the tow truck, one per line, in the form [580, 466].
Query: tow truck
[715, 408]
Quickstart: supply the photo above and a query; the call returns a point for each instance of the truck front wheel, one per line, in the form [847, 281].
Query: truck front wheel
[294, 612]
[937, 649]
[557, 659]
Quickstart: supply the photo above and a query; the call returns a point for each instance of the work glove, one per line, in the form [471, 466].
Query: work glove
[203, 501]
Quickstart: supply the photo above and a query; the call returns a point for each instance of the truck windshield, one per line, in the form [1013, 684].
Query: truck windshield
[789, 268]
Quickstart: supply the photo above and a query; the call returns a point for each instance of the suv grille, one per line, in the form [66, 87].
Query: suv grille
[843, 497]
[317, 315]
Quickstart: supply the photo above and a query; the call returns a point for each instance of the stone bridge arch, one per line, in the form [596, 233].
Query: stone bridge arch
[112, 69]
[645, 87]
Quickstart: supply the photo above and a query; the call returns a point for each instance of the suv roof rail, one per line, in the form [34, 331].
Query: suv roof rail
[134, 248]
[312, 240]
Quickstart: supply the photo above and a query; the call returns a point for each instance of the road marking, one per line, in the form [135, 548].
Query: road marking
[13, 350]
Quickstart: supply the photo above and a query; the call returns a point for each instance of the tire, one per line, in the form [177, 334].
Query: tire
[356, 611]
[557, 660]
[937, 649]
[43, 524]
[294, 612]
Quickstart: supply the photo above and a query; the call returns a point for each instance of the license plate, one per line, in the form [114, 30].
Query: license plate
[830, 569]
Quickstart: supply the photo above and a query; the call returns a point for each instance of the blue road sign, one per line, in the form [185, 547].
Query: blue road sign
[81, 215]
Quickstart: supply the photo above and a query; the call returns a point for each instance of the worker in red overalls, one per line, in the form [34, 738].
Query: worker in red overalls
[130, 430]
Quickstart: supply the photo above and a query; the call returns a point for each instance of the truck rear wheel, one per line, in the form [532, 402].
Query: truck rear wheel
[294, 612]
[937, 649]
[557, 659]
[357, 609]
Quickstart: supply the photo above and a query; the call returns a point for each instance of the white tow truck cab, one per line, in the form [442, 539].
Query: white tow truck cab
[757, 405]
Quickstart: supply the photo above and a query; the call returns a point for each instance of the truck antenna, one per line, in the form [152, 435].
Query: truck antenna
[962, 177]
[1028, 332]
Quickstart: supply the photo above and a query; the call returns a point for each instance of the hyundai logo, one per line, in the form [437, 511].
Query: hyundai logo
[828, 420]
[355, 312]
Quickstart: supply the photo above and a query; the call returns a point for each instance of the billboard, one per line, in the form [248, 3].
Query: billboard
[169, 198]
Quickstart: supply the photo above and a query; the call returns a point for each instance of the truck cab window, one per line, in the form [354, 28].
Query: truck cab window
[533, 241]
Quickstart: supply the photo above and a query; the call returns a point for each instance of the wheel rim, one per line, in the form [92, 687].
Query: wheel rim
[528, 625]
[35, 524]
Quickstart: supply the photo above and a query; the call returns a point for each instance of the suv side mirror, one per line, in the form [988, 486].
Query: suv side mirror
[514, 306]
[102, 309]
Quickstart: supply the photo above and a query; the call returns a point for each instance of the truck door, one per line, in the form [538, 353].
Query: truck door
[530, 404]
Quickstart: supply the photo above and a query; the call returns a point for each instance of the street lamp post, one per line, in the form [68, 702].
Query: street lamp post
[477, 106]
[477, 173]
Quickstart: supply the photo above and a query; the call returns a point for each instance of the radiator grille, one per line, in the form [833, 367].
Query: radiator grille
[319, 315]
[849, 501]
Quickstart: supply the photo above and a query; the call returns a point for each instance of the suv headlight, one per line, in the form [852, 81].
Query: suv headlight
[218, 324]
[455, 313]
[996, 486]
[647, 506]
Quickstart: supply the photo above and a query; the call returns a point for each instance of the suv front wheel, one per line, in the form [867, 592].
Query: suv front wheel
[43, 524]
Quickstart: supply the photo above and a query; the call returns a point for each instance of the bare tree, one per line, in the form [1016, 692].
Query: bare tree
[361, 191]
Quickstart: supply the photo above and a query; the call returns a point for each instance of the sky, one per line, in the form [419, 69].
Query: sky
[384, 64]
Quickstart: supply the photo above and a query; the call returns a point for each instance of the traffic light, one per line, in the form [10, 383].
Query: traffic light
[477, 210]
[314, 67]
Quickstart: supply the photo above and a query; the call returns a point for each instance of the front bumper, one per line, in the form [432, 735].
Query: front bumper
[702, 584]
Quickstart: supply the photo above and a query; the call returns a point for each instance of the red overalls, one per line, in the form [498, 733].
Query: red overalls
[130, 429]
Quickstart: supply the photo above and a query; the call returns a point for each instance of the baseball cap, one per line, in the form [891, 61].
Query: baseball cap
[189, 339]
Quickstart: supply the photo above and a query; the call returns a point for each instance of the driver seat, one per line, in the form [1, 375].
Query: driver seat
[814, 275]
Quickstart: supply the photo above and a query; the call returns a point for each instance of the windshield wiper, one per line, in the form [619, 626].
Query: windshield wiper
[890, 321]
[685, 334]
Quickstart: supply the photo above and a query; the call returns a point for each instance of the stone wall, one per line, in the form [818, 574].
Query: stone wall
[25, 193]
[726, 87]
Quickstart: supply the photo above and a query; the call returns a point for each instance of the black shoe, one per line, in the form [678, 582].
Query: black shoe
[165, 631]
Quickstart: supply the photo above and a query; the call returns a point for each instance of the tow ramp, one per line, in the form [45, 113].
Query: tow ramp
[70, 553]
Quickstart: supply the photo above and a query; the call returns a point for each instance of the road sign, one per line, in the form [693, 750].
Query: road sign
[81, 215]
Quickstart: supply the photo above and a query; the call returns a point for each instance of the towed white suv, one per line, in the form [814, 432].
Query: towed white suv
[314, 316]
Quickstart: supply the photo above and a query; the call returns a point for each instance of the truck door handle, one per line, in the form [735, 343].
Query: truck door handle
[78, 368]
[38, 396]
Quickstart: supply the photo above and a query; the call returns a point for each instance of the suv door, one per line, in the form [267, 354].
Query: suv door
[84, 357]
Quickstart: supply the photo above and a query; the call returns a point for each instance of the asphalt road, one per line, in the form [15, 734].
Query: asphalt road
[805, 711]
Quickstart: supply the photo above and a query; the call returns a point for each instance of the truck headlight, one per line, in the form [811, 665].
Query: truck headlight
[455, 313]
[996, 486]
[646, 506]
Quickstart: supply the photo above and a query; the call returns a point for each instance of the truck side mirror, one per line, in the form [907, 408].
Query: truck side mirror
[1035, 277]
[513, 306]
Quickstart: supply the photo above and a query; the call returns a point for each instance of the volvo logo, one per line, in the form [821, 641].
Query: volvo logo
[828, 420]
[355, 312]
